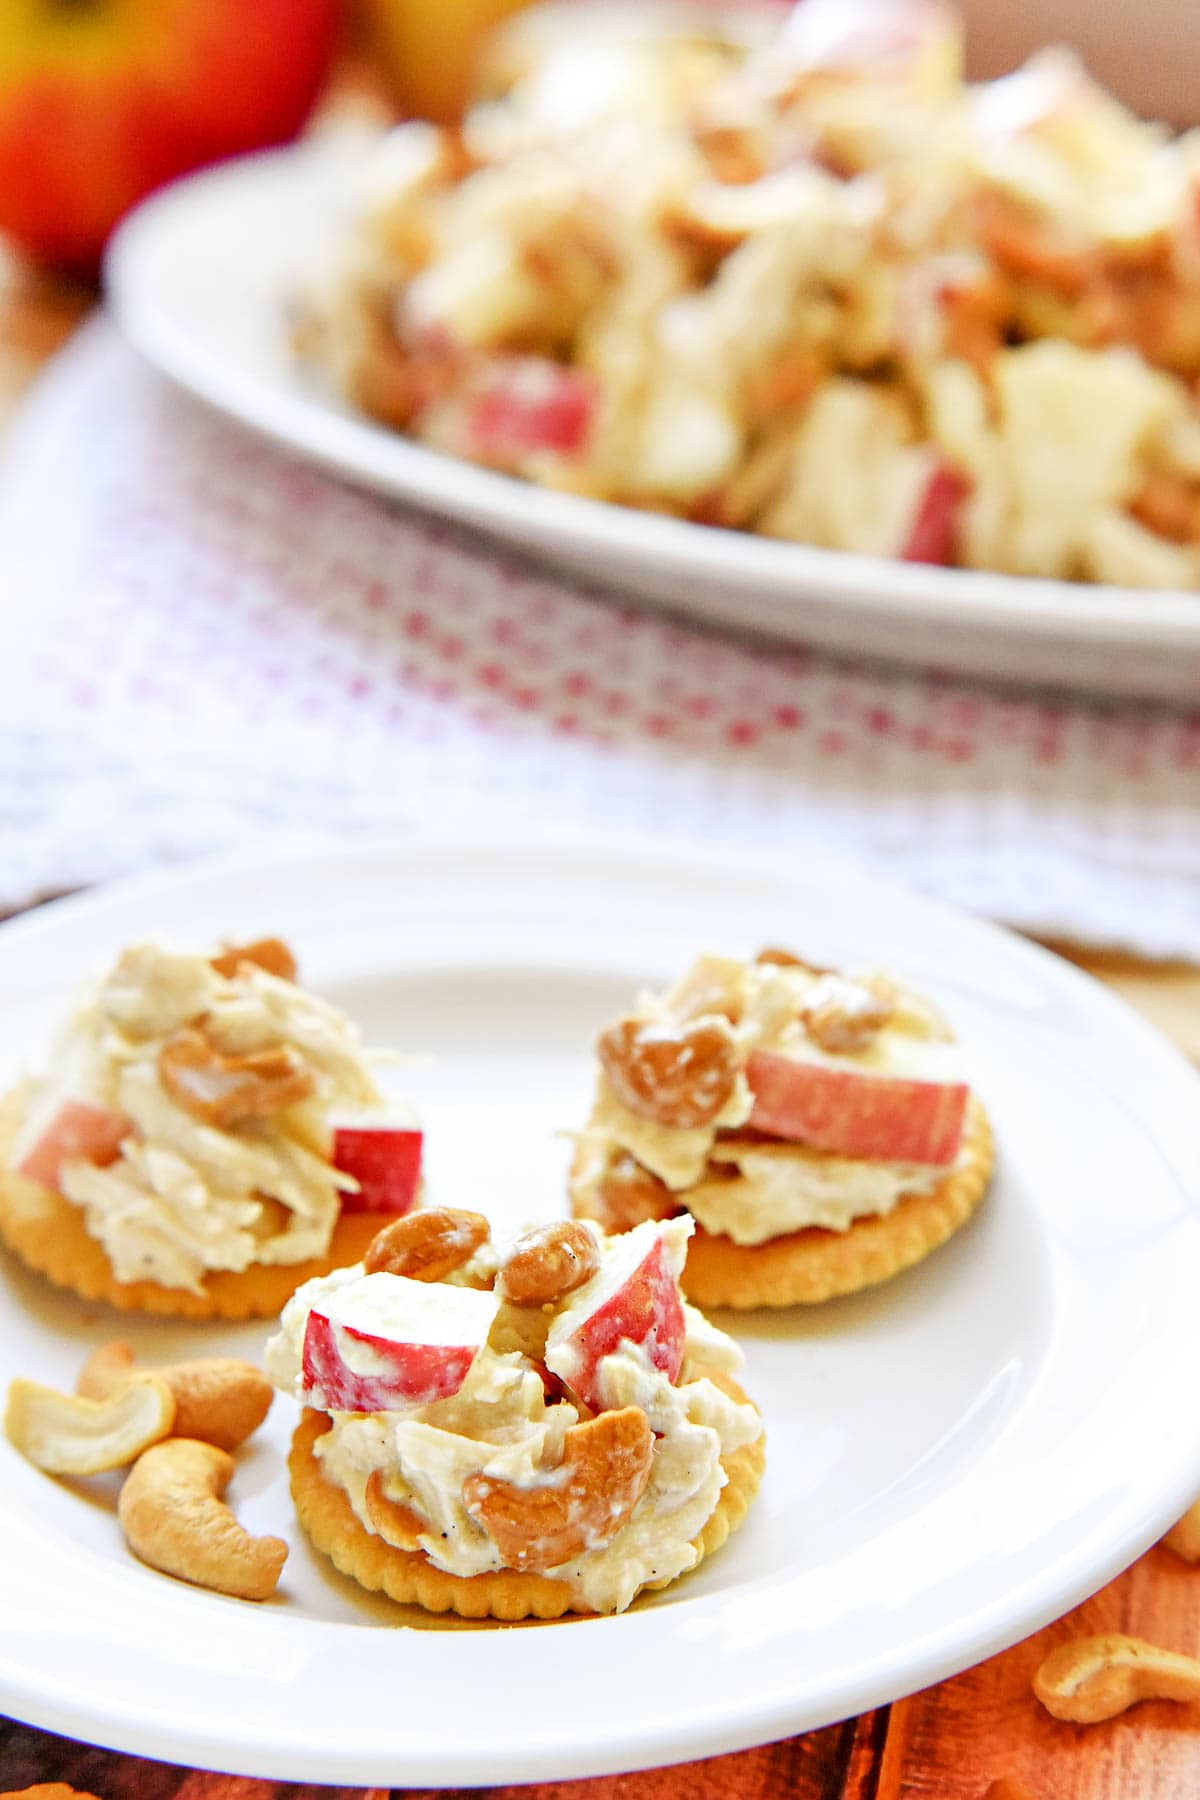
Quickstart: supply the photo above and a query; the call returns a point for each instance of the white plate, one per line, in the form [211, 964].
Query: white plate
[953, 1459]
[200, 276]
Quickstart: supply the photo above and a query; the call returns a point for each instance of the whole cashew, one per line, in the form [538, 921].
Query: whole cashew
[547, 1263]
[217, 1398]
[604, 1471]
[173, 1518]
[1184, 1538]
[1094, 1678]
[66, 1435]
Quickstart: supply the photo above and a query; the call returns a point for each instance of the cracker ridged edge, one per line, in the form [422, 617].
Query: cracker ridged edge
[809, 1266]
[48, 1234]
[409, 1578]
[806, 1267]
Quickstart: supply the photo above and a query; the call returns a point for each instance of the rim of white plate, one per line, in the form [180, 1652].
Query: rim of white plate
[293, 184]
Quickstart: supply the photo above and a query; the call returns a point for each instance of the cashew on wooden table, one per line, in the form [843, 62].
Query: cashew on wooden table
[173, 1518]
[217, 1398]
[1094, 1678]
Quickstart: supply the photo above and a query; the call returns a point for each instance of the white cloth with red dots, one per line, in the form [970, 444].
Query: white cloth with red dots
[203, 641]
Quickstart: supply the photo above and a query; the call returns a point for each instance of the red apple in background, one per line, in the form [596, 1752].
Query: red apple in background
[77, 1130]
[385, 1160]
[102, 100]
[387, 1344]
[634, 1295]
[888, 1117]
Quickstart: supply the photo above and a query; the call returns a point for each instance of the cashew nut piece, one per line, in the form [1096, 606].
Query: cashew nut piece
[217, 1398]
[427, 1245]
[173, 1518]
[1094, 1678]
[65, 1434]
[1184, 1538]
[394, 1522]
[604, 1471]
[270, 953]
[547, 1263]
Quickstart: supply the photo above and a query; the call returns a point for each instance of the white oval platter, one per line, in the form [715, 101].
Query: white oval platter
[200, 278]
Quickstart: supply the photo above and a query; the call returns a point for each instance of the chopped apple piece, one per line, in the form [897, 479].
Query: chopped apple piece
[525, 404]
[77, 1131]
[887, 1117]
[931, 536]
[385, 1160]
[383, 1343]
[632, 1299]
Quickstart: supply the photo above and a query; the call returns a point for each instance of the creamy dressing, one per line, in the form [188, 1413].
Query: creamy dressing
[776, 1192]
[184, 1197]
[499, 1424]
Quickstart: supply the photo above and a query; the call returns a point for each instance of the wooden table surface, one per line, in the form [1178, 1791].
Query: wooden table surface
[982, 1731]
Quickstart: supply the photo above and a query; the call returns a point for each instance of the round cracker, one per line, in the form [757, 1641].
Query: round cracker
[408, 1576]
[813, 1265]
[808, 1266]
[48, 1233]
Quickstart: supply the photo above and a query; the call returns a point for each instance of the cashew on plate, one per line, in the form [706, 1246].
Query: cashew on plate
[217, 1398]
[1094, 1678]
[65, 1434]
[173, 1518]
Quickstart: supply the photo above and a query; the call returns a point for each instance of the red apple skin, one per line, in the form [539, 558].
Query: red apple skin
[648, 1311]
[385, 1162]
[101, 102]
[932, 536]
[418, 1374]
[527, 406]
[879, 1116]
[77, 1130]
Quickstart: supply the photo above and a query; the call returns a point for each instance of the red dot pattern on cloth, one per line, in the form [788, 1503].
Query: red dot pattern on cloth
[287, 650]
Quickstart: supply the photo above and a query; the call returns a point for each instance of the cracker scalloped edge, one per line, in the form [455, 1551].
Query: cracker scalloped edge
[409, 1578]
[48, 1234]
[809, 1266]
[806, 1267]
